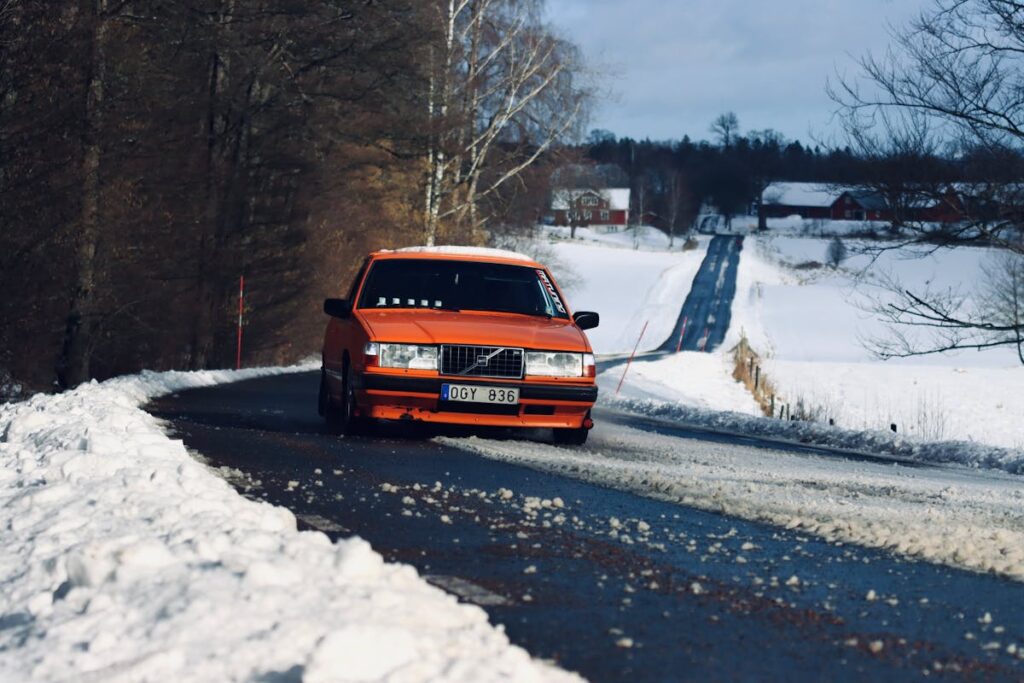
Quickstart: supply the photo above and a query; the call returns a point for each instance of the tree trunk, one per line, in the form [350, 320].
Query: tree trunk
[73, 366]
[202, 323]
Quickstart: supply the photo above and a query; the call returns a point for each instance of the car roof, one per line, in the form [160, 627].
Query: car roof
[449, 253]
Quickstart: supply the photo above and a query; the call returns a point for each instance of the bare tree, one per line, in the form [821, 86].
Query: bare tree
[935, 321]
[726, 127]
[679, 202]
[503, 89]
[73, 364]
[955, 73]
[901, 173]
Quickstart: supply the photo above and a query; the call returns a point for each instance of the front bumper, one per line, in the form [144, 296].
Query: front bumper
[395, 397]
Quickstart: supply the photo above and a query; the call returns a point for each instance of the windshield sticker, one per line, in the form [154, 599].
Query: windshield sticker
[551, 291]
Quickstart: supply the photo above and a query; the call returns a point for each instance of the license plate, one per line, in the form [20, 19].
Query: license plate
[466, 393]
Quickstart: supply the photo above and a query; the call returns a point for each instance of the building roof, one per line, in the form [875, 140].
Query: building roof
[800, 194]
[869, 200]
[617, 197]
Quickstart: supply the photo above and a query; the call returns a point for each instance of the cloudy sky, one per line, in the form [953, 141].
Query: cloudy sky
[676, 64]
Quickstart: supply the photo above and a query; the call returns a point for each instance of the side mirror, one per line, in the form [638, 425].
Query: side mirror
[586, 320]
[338, 308]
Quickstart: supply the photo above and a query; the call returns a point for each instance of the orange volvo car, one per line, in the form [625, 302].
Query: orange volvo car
[458, 336]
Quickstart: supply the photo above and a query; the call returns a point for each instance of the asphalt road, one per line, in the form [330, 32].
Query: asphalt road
[671, 602]
[704, 319]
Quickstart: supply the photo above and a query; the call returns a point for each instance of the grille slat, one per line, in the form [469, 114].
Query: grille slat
[462, 361]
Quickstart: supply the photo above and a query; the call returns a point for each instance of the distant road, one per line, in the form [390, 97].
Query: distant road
[708, 307]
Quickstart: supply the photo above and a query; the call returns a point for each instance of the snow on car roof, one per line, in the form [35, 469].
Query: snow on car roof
[463, 251]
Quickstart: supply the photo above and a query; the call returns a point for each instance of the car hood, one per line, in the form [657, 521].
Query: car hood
[472, 327]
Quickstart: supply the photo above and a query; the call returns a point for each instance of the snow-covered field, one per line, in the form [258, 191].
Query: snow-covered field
[811, 227]
[812, 326]
[124, 559]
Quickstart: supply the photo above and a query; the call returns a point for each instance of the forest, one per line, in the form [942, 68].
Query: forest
[155, 152]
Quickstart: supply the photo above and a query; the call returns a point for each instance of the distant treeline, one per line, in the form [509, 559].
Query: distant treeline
[672, 180]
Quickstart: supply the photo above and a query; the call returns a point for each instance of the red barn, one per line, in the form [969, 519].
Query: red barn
[606, 209]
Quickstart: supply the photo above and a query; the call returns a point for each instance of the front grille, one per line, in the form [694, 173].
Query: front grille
[467, 361]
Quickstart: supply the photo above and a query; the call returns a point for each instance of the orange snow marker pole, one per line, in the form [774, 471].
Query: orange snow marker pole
[704, 341]
[631, 356]
[682, 333]
[241, 308]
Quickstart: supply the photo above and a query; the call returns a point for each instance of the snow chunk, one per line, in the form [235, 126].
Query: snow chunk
[360, 653]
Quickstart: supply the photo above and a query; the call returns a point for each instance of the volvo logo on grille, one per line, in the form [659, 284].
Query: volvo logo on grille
[482, 361]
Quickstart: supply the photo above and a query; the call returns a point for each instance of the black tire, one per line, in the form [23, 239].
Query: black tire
[571, 437]
[340, 418]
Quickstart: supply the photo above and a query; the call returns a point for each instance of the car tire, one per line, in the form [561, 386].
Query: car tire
[571, 437]
[341, 419]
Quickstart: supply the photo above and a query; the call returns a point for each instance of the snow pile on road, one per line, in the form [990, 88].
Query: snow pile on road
[964, 518]
[126, 560]
[874, 441]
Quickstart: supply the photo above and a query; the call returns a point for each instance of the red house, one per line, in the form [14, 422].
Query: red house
[606, 209]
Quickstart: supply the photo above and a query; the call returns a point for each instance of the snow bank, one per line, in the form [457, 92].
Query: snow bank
[126, 560]
[873, 441]
[953, 516]
[699, 380]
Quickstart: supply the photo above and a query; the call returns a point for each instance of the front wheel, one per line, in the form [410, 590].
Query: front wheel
[341, 419]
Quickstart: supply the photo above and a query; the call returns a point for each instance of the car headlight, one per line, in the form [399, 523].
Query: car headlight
[554, 364]
[407, 356]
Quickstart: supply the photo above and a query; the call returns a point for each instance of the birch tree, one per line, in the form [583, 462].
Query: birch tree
[503, 89]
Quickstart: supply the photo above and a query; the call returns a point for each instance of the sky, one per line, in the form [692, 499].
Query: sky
[674, 65]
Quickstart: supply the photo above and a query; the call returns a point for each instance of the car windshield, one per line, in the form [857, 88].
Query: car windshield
[462, 286]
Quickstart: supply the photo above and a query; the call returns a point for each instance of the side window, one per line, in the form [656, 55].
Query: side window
[355, 282]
